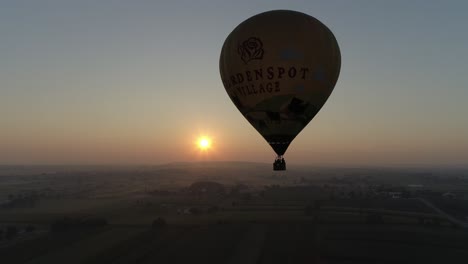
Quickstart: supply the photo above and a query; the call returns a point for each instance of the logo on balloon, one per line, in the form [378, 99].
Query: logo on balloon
[251, 49]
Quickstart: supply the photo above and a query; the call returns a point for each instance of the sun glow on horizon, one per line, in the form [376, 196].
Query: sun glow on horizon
[204, 143]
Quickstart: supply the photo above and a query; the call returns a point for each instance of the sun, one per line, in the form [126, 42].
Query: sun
[204, 143]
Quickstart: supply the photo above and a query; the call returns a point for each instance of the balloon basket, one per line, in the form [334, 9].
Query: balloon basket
[279, 164]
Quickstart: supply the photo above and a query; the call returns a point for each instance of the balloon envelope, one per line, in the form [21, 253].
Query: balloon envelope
[279, 68]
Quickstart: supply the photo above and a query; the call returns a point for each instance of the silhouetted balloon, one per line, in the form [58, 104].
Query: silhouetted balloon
[279, 68]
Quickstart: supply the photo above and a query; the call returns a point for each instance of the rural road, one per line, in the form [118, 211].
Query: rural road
[444, 214]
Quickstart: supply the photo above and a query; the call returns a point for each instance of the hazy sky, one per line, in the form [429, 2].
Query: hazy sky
[135, 82]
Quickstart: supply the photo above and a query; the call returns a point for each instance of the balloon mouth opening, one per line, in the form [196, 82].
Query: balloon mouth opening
[279, 143]
[280, 147]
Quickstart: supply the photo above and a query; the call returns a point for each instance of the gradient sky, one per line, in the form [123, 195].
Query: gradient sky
[135, 82]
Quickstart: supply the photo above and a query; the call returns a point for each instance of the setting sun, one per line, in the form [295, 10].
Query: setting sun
[204, 143]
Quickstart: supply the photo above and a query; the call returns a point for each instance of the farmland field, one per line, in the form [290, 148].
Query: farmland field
[182, 213]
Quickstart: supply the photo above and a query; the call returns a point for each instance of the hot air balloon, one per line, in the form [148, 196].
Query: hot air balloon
[279, 68]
